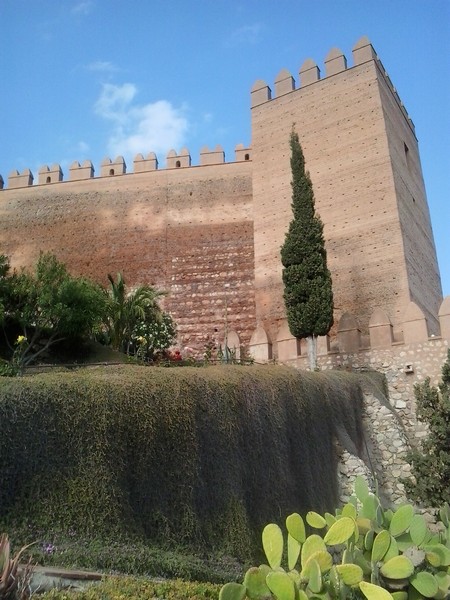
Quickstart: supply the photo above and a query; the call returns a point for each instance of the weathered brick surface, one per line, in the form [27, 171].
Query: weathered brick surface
[413, 212]
[210, 280]
[380, 249]
[187, 231]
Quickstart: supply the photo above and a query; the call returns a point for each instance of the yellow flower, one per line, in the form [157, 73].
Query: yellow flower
[21, 339]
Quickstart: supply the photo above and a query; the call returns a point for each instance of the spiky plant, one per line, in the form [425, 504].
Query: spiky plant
[9, 578]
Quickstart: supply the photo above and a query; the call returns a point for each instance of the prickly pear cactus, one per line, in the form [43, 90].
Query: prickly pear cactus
[361, 552]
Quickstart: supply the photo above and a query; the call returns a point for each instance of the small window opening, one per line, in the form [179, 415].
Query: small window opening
[178, 164]
[407, 156]
[247, 157]
[48, 180]
[111, 171]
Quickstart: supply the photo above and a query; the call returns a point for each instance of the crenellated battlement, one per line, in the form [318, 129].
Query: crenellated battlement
[112, 168]
[18, 180]
[309, 73]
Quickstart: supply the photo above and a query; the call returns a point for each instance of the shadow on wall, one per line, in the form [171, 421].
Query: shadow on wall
[349, 338]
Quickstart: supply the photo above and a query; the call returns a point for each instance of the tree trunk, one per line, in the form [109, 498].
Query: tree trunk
[312, 351]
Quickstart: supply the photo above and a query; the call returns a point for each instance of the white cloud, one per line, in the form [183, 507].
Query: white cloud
[82, 8]
[82, 146]
[102, 66]
[153, 127]
[246, 35]
[115, 102]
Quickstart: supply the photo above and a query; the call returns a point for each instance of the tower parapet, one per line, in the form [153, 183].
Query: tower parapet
[309, 73]
[284, 83]
[111, 168]
[212, 157]
[83, 171]
[51, 174]
[363, 51]
[241, 153]
[18, 180]
[141, 164]
[261, 93]
[175, 161]
[335, 63]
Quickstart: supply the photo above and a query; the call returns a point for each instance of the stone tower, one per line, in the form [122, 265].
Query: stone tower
[362, 154]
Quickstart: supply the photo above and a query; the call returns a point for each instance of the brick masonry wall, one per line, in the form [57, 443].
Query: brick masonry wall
[211, 235]
[345, 123]
[419, 249]
[186, 231]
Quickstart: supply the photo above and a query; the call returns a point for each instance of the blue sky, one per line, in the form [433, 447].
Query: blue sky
[93, 78]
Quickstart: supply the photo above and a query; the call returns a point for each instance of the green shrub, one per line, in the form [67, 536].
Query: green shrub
[120, 588]
[430, 461]
[8, 369]
[363, 551]
[177, 457]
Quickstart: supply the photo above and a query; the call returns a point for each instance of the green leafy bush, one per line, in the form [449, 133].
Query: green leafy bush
[8, 369]
[363, 551]
[129, 311]
[431, 460]
[45, 307]
[151, 338]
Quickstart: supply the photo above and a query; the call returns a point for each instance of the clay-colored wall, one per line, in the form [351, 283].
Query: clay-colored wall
[187, 231]
[419, 250]
[342, 125]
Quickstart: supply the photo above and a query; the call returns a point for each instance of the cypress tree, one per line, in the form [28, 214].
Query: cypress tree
[308, 294]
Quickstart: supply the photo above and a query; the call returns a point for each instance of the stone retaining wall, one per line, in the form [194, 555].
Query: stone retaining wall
[391, 423]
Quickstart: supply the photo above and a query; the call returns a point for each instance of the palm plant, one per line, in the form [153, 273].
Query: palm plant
[125, 309]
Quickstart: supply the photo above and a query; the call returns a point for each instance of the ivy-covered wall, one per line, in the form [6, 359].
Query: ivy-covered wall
[202, 456]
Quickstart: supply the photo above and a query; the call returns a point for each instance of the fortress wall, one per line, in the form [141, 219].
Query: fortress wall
[419, 249]
[187, 231]
[211, 235]
[341, 127]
